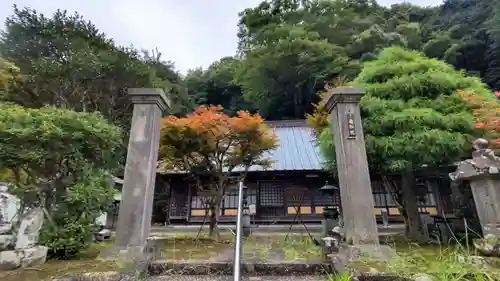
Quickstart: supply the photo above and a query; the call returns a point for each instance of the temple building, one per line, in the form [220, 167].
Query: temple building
[294, 180]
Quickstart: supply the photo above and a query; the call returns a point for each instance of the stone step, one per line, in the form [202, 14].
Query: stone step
[392, 229]
[230, 278]
[115, 276]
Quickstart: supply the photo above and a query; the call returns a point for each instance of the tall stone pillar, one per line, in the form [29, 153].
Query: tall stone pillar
[358, 209]
[483, 173]
[134, 219]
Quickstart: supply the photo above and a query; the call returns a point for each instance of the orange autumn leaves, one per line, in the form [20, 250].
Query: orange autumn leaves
[486, 114]
[208, 137]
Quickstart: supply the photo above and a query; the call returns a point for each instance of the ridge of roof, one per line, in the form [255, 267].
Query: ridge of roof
[286, 123]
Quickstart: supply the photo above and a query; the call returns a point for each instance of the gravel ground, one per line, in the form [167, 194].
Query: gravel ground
[230, 278]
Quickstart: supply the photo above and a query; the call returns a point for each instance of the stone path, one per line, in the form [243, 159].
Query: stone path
[230, 278]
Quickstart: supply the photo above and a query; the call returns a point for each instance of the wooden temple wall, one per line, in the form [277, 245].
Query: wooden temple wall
[279, 200]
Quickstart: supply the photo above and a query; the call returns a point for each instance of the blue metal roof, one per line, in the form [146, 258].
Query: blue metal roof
[296, 148]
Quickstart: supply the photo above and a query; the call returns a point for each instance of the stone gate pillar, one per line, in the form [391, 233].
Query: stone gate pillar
[358, 209]
[134, 218]
[483, 173]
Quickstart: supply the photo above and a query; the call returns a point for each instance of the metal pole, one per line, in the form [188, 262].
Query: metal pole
[239, 230]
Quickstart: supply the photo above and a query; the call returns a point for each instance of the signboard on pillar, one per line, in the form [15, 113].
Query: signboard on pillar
[351, 128]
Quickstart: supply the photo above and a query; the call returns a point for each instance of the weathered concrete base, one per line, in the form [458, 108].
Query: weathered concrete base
[487, 247]
[133, 260]
[34, 256]
[114, 252]
[349, 253]
[150, 250]
[379, 251]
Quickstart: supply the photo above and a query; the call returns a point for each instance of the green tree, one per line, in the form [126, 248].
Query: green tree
[470, 25]
[216, 86]
[268, 14]
[340, 21]
[413, 34]
[460, 32]
[281, 77]
[171, 80]
[289, 48]
[373, 40]
[492, 74]
[412, 118]
[68, 63]
[437, 47]
[8, 73]
[60, 160]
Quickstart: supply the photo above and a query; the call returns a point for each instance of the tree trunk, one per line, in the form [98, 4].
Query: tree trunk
[413, 223]
[214, 219]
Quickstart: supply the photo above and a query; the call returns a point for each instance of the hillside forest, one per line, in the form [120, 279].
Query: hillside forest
[287, 51]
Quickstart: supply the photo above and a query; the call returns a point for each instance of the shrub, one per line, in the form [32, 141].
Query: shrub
[60, 160]
[74, 221]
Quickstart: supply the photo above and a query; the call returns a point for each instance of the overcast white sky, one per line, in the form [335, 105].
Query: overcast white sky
[191, 33]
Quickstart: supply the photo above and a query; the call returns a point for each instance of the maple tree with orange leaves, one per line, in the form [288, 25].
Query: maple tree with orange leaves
[487, 115]
[214, 148]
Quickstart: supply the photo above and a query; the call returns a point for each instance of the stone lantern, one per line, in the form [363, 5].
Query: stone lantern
[330, 214]
[483, 173]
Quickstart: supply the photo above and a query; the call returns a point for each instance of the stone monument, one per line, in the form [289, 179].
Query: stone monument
[19, 232]
[483, 173]
[358, 208]
[134, 218]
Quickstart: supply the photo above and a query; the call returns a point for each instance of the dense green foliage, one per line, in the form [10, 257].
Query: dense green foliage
[60, 160]
[67, 62]
[289, 48]
[73, 226]
[412, 114]
[48, 141]
[413, 117]
[8, 73]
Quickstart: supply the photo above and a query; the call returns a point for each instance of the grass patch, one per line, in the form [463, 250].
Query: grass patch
[447, 264]
[296, 247]
[82, 263]
[301, 247]
[184, 247]
[442, 263]
[178, 247]
[451, 263]
[277, 248]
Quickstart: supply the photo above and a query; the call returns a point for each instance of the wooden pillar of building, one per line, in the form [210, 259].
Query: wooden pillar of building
[358, 209]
